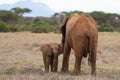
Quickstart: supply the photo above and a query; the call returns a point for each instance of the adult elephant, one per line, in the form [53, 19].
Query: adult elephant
[79, 32]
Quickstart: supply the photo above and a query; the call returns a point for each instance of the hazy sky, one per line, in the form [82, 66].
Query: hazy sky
[112, 6]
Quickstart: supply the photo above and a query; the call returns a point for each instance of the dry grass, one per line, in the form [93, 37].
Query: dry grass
[20, 58]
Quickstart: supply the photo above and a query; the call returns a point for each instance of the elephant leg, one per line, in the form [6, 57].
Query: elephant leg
[44, 60]
[77, 66]
[93, 59]
[47, 63]
[66, 54]
[55, 63]
[51, 64]
[93, 63]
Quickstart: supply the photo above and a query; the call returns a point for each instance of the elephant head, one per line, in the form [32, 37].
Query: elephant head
[57, 49]
[46, 50]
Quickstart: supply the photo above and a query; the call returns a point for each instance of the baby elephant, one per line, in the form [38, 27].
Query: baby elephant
[50, 54]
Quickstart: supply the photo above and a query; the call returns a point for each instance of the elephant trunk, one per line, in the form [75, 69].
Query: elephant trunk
[55, 63]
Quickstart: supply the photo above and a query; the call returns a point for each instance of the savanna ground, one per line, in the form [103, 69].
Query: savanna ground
[20, 58]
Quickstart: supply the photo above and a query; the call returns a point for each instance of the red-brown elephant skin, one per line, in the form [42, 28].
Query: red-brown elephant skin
[79, 32]
[50, 53]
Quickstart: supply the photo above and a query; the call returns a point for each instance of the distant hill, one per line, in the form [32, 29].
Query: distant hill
[38, 9]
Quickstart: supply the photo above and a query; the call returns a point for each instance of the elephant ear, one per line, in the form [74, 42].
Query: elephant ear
[49, 50]
[60, 49]
[63, 28]
[46, 49]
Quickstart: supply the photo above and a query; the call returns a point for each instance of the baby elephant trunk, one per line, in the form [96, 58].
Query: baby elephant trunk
[55, 60]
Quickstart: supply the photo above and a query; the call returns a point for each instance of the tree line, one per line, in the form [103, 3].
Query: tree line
[12, 15]
[105, 21]
[13, 20]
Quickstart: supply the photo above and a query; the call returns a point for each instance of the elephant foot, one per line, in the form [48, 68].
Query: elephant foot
[76, 73]
[64, 70]
[46, 70]
[54, 71]
[93, 73]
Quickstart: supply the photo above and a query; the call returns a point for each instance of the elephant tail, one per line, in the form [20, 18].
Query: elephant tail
[90, 52]
[86, 47]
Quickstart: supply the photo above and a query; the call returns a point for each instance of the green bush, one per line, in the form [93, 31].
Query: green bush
[118, 29]
[40, 26]
[45, 29]
[20, 27]
[13, 27]
[3, 27]
[105, 28]
[37, 26]
[39, 30]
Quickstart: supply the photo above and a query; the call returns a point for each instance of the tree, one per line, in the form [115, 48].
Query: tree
[20, 11]
[99, 16]
[3, 27]
[58, 17]
[7, 16]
